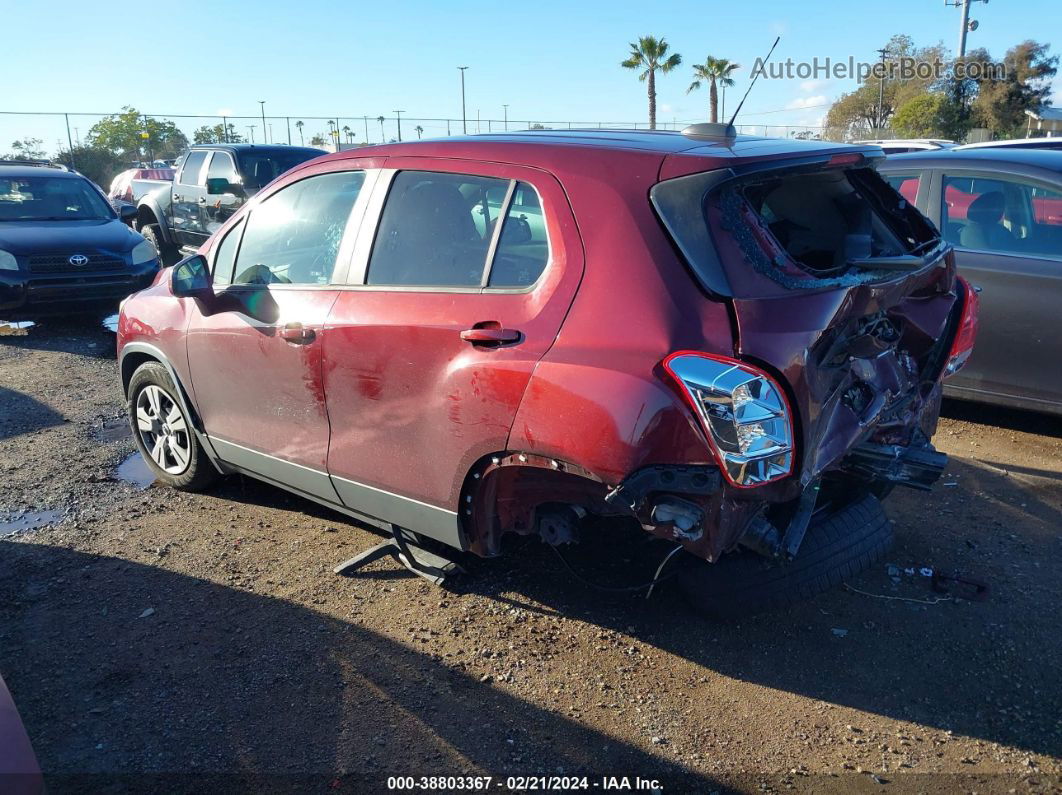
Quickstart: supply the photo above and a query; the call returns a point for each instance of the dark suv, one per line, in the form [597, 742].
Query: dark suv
[63, 248]
[736, 343]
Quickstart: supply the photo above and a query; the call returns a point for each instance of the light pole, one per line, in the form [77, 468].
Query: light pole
[366, 129]
[464, 120]
[505, 108]
[881, 88]
[250, 128]
[224, 130]
[262, 102]
[398, 115]
[965, 24]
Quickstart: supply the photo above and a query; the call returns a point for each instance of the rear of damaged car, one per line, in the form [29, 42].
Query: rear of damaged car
[753, 361]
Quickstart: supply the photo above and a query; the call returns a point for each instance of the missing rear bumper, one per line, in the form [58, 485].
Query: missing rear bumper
[917, 467]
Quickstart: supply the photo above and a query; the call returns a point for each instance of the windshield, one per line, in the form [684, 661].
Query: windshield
[259, 169]
[43, 198]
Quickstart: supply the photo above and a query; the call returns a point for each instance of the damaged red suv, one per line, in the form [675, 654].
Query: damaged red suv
[737, 342]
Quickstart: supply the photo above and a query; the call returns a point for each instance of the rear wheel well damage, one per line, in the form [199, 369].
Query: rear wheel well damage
[529, 494]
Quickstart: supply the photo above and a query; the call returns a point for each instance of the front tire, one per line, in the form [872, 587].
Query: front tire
[164, 433]
[152, 234]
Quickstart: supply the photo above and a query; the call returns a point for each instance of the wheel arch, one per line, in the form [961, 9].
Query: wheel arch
[136, 354]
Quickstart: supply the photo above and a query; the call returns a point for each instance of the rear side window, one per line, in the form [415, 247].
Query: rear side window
[193, 167]
[436, 231]
[1005, 215]
[293, 236]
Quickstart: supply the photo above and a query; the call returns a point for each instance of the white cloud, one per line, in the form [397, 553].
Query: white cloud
[806, 102]
[813, 85]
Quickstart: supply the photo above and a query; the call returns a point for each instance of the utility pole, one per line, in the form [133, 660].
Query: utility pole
[398, 115]
[250, 127]
[966, 25]
[366, 128]
[224, 130]
[262, 102]
[464, 120]
[288, 120]
[505, 108]
[69, 140]
[271, 138]
[881, 89]
[477, 121]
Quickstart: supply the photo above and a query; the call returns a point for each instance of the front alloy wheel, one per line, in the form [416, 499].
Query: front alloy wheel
[163, 430]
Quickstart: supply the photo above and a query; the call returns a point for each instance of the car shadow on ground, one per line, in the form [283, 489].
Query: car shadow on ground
[20, 413]
[1003, 417]
[110, 662]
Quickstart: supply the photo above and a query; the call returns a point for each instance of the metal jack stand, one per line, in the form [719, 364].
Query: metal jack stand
[404, 546]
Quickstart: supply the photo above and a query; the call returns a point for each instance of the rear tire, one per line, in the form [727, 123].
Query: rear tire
[164, 433]
[835, 549]
[167, 253]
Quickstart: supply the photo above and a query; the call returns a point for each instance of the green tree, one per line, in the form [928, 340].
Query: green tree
[130, 133]
[98, 164]
[419, 131]
[649, 55]
[298, 126]
[715, 72]
[1001, 101]
[317, 140]
[930, 115]
[26, 149]
[215, 135]
[383, 138]
[855, 114]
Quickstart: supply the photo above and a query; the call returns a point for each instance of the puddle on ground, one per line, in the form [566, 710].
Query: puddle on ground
[135, 471]
[13, 524]
[115, 429]
[15, 328]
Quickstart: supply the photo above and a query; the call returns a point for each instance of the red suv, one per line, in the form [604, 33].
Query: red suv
[737, 342]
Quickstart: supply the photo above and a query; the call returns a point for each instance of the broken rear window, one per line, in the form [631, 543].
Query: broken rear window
[806, 227]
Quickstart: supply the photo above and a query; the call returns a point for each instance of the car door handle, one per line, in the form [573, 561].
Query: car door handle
[296, 332]
[202, 200]
[490, 336]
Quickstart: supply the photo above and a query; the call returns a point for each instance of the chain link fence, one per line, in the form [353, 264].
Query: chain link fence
[148, 137]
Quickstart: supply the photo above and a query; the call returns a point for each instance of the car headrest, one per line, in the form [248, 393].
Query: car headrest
[987, 208]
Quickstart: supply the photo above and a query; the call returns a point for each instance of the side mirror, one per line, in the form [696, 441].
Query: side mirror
[127, 212]
[218, 185]
[191, 278]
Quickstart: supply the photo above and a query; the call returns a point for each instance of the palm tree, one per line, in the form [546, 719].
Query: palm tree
[346, 132]
[383, 138]
[419, 130]
[650, 55]
[299, 125]
[716, 71]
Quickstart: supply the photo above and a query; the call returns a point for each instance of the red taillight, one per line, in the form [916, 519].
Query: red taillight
[962, 345]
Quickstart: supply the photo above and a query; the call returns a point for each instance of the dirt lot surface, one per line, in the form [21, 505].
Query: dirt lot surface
[204, 638]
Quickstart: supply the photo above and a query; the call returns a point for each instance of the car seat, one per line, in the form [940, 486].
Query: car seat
[984, 229]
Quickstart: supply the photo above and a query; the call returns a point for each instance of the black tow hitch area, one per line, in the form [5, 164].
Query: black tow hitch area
[917, 467]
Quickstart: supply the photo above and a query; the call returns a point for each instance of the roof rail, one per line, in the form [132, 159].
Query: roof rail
[37, 163]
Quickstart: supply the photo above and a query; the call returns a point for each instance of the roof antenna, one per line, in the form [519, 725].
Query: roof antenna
[755, 77]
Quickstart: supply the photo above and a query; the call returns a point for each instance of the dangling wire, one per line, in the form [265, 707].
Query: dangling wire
[623, 589]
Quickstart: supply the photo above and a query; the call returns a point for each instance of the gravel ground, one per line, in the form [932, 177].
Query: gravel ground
[203, 639]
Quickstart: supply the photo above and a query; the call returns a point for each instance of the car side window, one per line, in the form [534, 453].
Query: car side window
[293, 236]
[222, 167]
[523, 248]
[192, 172]
[435, 230]
[1006, 215]
[225, 255]
[904, 184]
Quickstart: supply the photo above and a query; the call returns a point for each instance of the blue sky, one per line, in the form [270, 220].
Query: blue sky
[547, 60]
